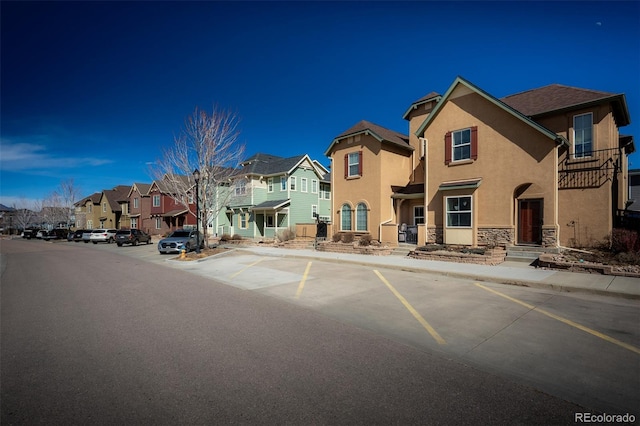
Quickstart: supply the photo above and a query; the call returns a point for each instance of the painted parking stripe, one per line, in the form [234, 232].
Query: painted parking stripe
[565, 321]
[245, 268]
[410, 308]
[304, 279]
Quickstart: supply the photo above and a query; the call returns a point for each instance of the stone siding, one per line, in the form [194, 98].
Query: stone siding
[491, 257]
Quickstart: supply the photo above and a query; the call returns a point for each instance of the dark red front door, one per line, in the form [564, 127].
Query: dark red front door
[530, 222]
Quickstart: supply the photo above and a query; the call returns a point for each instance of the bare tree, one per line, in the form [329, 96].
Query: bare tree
[209, 143]
[24, 215]
[69, 193]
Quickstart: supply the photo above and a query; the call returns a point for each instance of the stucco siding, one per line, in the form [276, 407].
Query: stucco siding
[511, 157]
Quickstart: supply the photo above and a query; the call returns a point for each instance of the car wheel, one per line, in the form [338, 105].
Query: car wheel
[86, 242]
[119, 244]
[135, 242]
[187, 247]
[95, 242]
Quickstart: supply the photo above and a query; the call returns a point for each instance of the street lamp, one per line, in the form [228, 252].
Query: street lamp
[196, 177]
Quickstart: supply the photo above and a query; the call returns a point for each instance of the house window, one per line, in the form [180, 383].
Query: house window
[303, 185]
[158, 223]
[136, 203]
[156, 201]
[244, 220]
[345, 218]
[461, 145]
[104, 207]
[314, 186]
[353, 164]
[283, 183]
[361, 217]
[418, 215]
[134, 223]
[90, 224]
[458, 212]
[270, 220]
[314, 211]
[583, 135]
[89, 208]
[125, 208]
[292, 183]
[241, 187]
[270, 185]
[190, 198]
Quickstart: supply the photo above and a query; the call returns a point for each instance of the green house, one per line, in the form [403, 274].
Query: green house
[271, 194]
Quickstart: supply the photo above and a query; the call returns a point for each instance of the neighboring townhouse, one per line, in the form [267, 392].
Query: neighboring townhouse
[271, 194]
[545, 167]
[113, 208]
[88, 211]
[634, 190]
[166, 213]
[139, 207]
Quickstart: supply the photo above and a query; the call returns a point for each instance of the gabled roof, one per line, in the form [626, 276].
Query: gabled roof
[508, 109]
[117, 195]
[556, 97]
[271, 165]
[142, 188]
[380, 133]
[433, 96]
[94, 198]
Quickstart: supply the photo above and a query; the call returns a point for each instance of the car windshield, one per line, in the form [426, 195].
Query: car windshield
[123, 232]
[180, 234]
[98, 231]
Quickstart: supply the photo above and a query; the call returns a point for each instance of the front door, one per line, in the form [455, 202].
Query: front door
[530, 222]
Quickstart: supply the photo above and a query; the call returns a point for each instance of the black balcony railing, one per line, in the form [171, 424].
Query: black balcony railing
[589, 171]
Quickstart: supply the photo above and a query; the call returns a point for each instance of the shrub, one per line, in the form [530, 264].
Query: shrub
[225, 237]
[624, 241]
[236, 237]
[347, 237]
[628, 258]
[365, 240]
[287, 235]
[337, 237]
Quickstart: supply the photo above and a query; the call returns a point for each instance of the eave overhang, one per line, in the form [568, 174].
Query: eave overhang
[460, 184]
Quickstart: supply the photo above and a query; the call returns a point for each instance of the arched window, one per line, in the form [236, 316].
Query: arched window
[345, 217]
[361, 217]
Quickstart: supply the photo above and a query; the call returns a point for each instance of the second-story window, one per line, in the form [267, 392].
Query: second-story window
[353, 164]
[104, 207]
[303, 184]
[314, 186]
[461, 145]
[583, 135]
[270, 184]
[136, 203]
[292, 183]
[283, 183]
[241, 187]
[156, 201]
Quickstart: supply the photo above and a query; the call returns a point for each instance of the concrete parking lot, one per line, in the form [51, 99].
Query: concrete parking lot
[584, 348]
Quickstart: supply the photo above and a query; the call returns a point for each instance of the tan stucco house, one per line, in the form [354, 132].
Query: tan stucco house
[544, 167]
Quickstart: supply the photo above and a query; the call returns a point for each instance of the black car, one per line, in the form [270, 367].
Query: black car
[55, 234]
[77, 235]
[132, 236]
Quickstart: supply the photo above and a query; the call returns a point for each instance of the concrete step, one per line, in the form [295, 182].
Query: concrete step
[403, 250]
[527, 253]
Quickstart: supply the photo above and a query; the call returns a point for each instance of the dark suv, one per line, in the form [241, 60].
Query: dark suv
[132, 236]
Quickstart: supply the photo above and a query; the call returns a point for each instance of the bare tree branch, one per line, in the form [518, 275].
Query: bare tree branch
[208, 142]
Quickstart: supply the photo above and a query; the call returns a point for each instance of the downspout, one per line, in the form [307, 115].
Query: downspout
[386, 221]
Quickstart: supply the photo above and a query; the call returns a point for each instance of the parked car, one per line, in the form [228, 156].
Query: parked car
[29, 233]
[77, 234]
[178, 240]
[86, 235]
[55, 234]
[41, 234]
[132, 236]
[103, 235]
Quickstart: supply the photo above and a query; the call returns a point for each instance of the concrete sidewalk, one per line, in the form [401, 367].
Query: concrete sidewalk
[515, 273]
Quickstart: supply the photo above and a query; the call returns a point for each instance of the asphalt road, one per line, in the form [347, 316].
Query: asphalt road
[89, 336]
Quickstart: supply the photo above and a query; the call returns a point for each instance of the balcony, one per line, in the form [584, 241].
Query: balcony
[590, 171]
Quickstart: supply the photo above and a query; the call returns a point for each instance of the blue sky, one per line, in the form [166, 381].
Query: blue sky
[94, 91]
